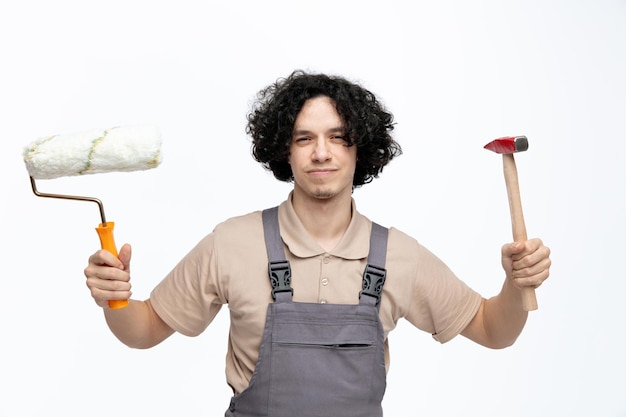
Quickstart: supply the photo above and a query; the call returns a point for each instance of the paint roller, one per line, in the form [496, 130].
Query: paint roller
[121, 149]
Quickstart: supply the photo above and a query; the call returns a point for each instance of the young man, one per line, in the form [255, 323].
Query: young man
[309, 337]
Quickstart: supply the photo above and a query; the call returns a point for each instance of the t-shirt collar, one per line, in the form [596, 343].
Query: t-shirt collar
[353, 245]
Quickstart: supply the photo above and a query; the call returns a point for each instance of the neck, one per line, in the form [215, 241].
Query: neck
[326, 220]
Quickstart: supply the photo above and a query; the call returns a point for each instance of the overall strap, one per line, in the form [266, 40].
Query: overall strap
[280, 271]
[278, 266]
[375, 272]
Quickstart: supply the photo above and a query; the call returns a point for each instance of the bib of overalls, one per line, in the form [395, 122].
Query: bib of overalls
[318, 360]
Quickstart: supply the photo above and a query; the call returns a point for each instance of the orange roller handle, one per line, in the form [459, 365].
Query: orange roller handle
[107, 242]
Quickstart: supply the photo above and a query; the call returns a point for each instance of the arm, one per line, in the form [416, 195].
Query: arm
[500, 319]
[108, 278]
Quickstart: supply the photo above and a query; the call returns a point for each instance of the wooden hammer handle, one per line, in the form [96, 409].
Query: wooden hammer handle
[529, 300]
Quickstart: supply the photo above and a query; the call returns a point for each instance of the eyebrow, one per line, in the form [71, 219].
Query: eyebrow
[331, 130]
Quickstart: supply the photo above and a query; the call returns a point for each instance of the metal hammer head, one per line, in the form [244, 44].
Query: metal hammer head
[508, 144]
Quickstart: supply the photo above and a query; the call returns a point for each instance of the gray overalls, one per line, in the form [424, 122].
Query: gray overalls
[315, 359]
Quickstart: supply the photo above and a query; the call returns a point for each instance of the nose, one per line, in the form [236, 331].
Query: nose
[321, 152]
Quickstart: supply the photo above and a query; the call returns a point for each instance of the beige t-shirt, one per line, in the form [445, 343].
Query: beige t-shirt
[229, 266]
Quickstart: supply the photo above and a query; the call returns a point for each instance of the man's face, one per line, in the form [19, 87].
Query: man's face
[322, 164]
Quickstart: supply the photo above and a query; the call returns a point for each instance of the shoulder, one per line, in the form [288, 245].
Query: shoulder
[397, 236]
[239, 225]
[234, 234]
[401, 245]
[239, 238]
[411, 257]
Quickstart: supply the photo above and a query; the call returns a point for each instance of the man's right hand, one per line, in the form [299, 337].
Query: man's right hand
[108, 277]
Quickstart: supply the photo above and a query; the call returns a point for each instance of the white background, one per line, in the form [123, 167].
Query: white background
[456, 74]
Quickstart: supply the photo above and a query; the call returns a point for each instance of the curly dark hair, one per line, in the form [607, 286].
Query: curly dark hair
[368, 124]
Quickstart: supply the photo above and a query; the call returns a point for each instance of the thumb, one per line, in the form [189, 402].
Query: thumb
[515, 251]
[512, 249]
[124, 256]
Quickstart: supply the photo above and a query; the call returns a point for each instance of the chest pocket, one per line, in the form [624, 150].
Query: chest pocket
[326, 359]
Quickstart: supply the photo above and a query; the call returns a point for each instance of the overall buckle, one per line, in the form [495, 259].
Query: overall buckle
[373, 280]
[280, 277]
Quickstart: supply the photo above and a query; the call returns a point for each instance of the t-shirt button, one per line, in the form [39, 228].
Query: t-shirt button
[323, 302]
[324, 281]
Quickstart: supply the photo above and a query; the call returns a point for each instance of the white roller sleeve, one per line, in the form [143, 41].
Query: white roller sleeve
[127, 148]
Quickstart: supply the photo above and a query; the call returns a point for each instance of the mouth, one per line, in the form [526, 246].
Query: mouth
[320, 171]
[319, 174]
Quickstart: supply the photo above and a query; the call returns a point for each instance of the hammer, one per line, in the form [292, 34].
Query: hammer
[507, 146]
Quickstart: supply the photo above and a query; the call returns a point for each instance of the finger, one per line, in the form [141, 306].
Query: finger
[509, 250]
[531, 257]
[535, 268]
[103, 290]
[107, 273]
[100, 284]
[529, 247]
[534, 280]
[104, 257]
